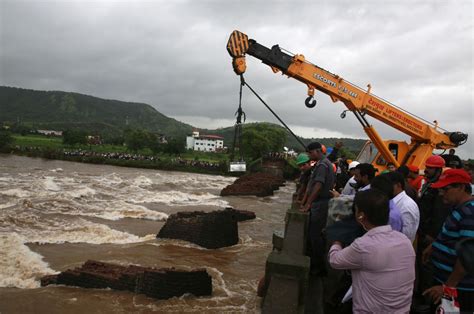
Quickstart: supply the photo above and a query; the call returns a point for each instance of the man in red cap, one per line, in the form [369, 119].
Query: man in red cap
[414, 178]
[433, 213]
[455, 187]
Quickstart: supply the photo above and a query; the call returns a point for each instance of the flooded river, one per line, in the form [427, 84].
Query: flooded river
[55, 215]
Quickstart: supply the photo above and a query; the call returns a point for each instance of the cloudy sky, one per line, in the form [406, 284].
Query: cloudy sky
[171, 54]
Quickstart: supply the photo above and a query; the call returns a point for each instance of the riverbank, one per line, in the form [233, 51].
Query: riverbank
[121, 159]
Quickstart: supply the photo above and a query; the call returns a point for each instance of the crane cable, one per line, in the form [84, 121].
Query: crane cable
[243, 82]
[238, 124]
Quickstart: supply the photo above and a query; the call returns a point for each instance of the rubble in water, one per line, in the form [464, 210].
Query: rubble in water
[258, 184]
[161, 283]
[241, 215]
[210, 230]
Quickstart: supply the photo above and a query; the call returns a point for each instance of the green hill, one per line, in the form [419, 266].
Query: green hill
[63, 110]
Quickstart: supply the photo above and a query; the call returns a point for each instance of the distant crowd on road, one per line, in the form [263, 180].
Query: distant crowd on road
[130, 156]
[114, 155]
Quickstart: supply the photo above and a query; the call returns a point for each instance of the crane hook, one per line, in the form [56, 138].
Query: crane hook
[310, 102]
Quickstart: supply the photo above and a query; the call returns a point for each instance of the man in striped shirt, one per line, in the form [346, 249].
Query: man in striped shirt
[455, 187]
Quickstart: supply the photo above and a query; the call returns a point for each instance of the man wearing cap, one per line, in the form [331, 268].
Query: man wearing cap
[350, 187]
[433, 213]
[414, 178]
[304, 163]
[316, 202]
[455, 187]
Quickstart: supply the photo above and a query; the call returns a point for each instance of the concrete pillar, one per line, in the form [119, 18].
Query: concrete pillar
[286, 277]
[287, 267]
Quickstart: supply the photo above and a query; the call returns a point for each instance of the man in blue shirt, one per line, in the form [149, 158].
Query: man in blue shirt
[455, 187]
[315, 202]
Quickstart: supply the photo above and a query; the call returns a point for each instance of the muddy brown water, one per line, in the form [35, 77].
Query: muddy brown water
[55, 215]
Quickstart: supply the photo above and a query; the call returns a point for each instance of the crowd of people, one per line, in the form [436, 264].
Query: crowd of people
[129, 156]
[396, 248]
[109, 155]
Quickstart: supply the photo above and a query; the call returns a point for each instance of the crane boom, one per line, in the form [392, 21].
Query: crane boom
[424, 136]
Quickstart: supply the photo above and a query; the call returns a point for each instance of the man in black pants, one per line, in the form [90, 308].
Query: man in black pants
[316, 201]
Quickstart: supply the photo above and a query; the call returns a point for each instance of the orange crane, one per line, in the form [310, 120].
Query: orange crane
[425, 136]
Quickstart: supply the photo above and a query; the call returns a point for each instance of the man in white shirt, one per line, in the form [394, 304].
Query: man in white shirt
[409, 211]
[349, 188]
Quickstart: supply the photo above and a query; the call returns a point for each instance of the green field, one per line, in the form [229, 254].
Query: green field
[38, 141]
[46, 142]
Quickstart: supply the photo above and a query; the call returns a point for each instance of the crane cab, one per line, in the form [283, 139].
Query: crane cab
[417, 154]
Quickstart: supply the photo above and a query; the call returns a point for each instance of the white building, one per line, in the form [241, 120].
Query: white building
[204, 143]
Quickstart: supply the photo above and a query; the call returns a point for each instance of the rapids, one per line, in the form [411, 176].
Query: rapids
[55, 215]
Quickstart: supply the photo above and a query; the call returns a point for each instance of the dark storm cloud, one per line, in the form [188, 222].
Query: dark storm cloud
[171, 54]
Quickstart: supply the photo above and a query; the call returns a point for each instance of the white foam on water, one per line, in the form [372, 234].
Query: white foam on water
[34, 227]
[81, 192]
[176, 242]
[19, 193]
[6, 205]
[110, 179]
[79, 231]
[119, 210]
[57, 170]
[199, 182]
[113, 210]
[19, 266]
[6, 179]
[178, 198]
[218, 283]
[50, 185]
[142, 181]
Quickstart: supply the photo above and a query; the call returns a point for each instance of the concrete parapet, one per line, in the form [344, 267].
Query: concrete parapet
[287, 270]
[277, 240]
[286, 274]
[296, 230]
[294, 205]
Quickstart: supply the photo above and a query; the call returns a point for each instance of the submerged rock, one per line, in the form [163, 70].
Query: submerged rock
[161, 283]
[210, 230]
[258, 184]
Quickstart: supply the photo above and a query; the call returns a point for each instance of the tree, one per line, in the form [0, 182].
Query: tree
[136, 139]
[156, 147]
[114, 140]
[6, 140]
[174, 147]
[73, 137]
[262, 138]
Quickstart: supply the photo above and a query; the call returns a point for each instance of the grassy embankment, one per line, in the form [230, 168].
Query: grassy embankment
[53, 148]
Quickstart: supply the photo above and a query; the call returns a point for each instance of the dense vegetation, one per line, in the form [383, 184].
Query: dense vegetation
[60, 111]
[350, 149]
